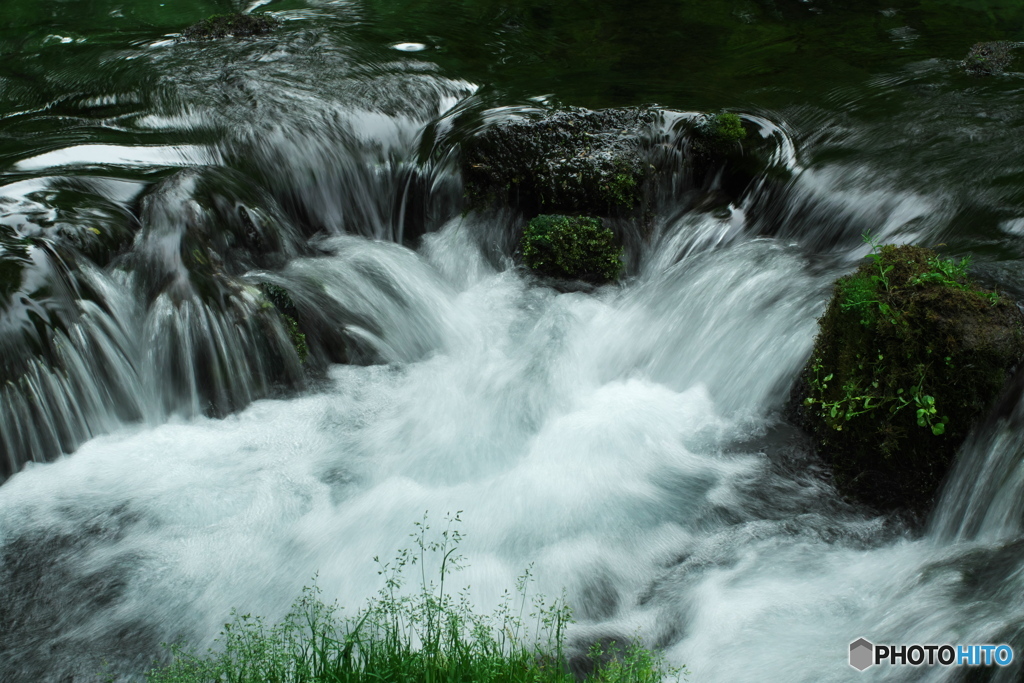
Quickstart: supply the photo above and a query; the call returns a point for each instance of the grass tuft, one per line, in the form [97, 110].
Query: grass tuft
[429, 636]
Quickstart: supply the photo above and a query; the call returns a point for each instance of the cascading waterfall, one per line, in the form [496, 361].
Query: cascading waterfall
[983, 498]
[628, 442]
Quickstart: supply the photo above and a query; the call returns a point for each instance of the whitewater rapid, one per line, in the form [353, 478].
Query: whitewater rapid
[626, 443]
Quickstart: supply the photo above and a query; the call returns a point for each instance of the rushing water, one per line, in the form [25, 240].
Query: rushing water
[628, 442]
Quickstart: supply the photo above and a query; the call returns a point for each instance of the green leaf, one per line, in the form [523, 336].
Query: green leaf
[938, 429]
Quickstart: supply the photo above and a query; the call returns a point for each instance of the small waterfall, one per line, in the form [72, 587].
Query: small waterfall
[167, 328]
[90, 385]
[176, 323]
[983, 500]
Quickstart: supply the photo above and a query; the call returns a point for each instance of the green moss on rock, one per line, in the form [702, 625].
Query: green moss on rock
[297, 336]
[567, 161]
[722, 128]
[575, 247]
[281, 301]
[238, 25]
[910, 353]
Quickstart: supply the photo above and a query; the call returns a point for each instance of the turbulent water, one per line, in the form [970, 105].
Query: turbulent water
[628, 442]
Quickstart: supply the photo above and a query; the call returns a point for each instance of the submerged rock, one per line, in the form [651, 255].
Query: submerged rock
[574, 247]
[910, 353]
[237, 25]
[989, 58]
[568, 161]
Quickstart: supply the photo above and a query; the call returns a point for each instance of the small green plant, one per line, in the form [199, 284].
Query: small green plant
[854, 400]
[428, 635]
[622, 189]
[949, 272]
[953, 273]
[851, 403]
[576, 247]
[864, 292]
[926, 412]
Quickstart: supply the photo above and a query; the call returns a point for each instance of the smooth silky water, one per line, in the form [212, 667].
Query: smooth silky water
[629, 443]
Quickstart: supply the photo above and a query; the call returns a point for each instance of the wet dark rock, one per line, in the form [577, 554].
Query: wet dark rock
[589, 656]
[724, 162]
[990, 58]
[621, 165]
[568, 161]
[14, 259]
[910, 354]
[237, 25]
[202, 229]
[713, 140]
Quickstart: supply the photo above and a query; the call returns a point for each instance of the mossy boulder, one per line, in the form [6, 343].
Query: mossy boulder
[910, 353]
[237, 25]
[572, 247]
[567, 161]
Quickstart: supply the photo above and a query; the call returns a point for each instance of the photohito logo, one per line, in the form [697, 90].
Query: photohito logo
[863, 653]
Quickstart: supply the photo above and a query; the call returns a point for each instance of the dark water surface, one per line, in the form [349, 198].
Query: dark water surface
[628, 442]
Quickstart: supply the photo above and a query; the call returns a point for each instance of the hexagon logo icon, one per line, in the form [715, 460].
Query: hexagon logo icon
[861, 654]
